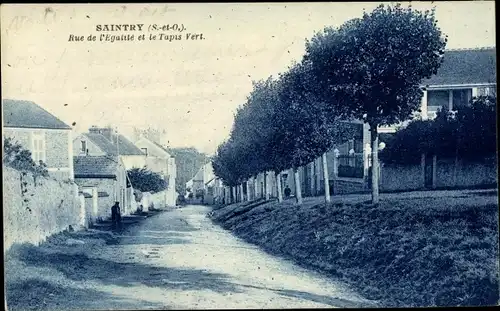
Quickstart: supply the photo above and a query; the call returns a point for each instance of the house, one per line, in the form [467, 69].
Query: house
[160, 161]
[48, 138]
[101, 142]
[198, 184]
[116, 143]
[189, 187]
[103, 180]
[464, 74]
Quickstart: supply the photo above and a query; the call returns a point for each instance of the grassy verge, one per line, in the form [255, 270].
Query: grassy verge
[407, 252]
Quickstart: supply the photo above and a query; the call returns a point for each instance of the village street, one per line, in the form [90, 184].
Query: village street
[179, 259]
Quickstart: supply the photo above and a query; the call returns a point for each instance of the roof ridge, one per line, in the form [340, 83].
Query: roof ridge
[33, 110]
[471, 49]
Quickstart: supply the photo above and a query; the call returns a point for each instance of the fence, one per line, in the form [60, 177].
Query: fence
[351, 166]
[439, 174]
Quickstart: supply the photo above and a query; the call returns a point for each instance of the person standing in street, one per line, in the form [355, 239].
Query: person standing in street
[116, 215]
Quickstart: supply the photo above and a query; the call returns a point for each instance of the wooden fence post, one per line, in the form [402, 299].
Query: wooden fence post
[434, 171]
[422, 168]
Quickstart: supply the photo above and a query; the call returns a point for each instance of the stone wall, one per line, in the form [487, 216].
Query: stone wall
[159, 199]
[448, 174]
[461, 174]
[56, 144]
[34, 209]
[401, 177]
[104, 203]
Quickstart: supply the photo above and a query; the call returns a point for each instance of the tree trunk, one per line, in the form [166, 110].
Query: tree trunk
[265, 186]
[326, 178]
[248, 191]
[255, 186]
[311, 178]
[242, 195]
[233, 199]
[375, 164]
[278, 187]
[298, 190]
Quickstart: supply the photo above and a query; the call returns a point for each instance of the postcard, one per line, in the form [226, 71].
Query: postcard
[249, 155]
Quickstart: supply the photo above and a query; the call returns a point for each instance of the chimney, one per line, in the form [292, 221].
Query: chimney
[105, 131]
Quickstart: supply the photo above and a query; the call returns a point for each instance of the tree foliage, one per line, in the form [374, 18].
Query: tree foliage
[188, 161]
[468, 133]
[20, 158]
[311, 126]
[282, 125]
[373, 66]
[145, 180]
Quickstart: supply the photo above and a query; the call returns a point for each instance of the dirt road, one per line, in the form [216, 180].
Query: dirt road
[176, 259]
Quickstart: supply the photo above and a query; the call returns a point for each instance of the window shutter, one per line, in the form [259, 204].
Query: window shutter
[43, 149]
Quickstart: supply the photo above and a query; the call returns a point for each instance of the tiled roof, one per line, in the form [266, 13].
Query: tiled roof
[102, 142]
[210, 181]
[467, 66]
[27, 114]
[95, 166]
[162, 148]
[125, 146]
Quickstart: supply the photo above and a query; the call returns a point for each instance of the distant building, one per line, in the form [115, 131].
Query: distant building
[48, 138]
[198, 184]
[130, 154]
[105, 176]
[100, 144]
[160, 161]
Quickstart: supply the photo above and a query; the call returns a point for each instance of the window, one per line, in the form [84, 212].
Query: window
[38, 147]
[436, 100]
[461, 98]
[350, 145]
[84, 147]
[356, 144]
[485, 91]
[145, 151]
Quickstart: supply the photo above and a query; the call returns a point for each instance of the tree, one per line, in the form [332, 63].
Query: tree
[144, 180]
[372, 67]
[310, 125]
[477, 126]
[254, 134]
[225, 166]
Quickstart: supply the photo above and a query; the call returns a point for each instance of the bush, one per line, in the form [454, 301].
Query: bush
[468, 133]
[350, 171]
[146, 181]
[19, 158]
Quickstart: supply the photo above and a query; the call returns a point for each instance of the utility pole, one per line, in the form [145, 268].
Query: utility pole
[117, 143]
[118, 159]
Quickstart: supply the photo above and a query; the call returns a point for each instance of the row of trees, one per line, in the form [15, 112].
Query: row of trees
[369, 69]
[467, 133]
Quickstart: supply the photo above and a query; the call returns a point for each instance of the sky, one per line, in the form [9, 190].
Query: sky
[188, 88]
